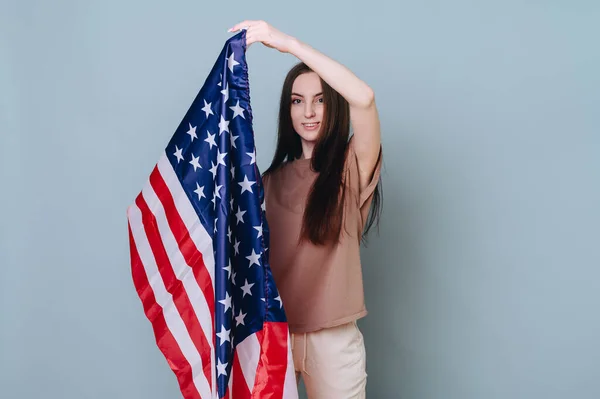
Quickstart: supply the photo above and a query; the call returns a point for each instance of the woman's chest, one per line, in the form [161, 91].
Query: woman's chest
[288, 192]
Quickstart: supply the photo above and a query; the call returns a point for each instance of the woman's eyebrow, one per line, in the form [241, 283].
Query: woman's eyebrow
[300, 95]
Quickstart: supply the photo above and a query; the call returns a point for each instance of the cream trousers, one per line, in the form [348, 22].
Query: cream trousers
[332, 362]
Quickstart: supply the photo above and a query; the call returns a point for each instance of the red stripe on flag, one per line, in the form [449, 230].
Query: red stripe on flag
[272, 366]
[175, 287]
[164, 339]
[188, 249]
[239, 388]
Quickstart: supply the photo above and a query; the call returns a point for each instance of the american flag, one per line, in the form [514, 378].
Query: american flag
[199, 249]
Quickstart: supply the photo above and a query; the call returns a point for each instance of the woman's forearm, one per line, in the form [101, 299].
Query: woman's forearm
[339, 77]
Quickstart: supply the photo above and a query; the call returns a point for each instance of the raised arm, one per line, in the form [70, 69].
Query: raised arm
[363, 110]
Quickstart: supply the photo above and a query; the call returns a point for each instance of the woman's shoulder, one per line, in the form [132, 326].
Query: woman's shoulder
[274, 174]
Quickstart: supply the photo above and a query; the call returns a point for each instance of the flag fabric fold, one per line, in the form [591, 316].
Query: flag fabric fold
[199, 241]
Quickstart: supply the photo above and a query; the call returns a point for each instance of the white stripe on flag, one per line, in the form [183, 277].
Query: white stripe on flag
[165, 300]
[290, 388]
[248, 352]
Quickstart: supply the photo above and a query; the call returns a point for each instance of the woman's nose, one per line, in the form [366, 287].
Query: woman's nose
[309, 111]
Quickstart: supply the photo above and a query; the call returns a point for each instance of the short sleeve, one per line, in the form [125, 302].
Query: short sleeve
[366, 194]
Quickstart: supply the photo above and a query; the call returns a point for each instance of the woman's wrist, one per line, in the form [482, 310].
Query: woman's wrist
[294, 46]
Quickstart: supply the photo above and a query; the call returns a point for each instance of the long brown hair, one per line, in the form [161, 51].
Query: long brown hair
[323, 214]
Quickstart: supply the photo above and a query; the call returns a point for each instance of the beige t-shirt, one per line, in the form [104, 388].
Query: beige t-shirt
[320, 286]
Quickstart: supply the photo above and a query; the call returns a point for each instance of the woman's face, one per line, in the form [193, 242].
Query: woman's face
[307, 106]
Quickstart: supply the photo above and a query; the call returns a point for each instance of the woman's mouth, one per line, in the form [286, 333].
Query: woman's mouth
[311, 126]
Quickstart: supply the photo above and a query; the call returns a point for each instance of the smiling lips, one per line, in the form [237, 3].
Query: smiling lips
[311, 126]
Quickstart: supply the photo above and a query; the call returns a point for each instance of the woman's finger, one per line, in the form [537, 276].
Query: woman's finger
[244, 24]
[252, 38]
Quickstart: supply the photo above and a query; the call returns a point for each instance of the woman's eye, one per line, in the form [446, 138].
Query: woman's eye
[297, 100]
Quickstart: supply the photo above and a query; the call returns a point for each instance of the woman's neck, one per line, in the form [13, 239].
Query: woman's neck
[307, 148]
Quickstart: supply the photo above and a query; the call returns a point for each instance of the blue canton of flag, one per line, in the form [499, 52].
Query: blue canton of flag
[199, 249]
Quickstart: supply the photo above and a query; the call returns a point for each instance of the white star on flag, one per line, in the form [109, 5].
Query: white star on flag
[192, 132]
[237, 110]
[177, 154]
[210, 139]
[223, 335]
[246, 288]
[223, 125]
[239, 319]
[252, 157]
[226, 302]
[207, 109]
[225, 92]
[253, 258]
[200, 191]
[231, 62]
[194, 162]
[221, 368]
[246, 184]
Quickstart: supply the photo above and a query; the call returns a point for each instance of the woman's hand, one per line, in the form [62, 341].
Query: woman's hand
[260, 31]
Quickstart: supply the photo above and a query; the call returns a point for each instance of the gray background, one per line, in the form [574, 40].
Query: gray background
[484, 279]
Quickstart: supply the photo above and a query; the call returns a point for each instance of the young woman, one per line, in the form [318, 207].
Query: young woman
[321, 198]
